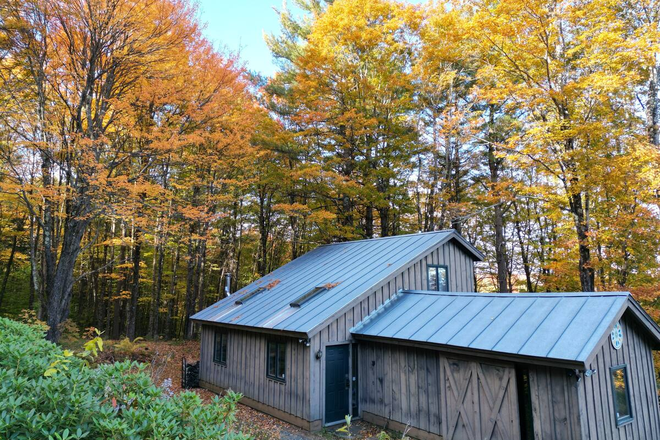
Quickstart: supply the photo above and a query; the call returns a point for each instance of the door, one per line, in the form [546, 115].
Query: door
[337, 383]
[481, 401]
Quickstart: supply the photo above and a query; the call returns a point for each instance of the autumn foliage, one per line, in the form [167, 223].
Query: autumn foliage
[140, 165]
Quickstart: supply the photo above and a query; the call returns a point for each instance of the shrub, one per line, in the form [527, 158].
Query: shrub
[112, 401]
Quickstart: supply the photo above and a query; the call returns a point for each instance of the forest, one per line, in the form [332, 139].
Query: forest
[145, 173]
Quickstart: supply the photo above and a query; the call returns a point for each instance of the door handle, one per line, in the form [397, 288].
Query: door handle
[348, 382]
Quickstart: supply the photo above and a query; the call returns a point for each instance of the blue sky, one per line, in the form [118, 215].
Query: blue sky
[239, 26]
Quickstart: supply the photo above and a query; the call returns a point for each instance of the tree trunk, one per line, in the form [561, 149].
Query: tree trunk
[587, 273]
[35, 285]
[500, 250]
[653, 106]
[131, 312]
[157, 285]
[59, 294]
[172, 300]
[191, 292]
[121, 287]
[10, 262]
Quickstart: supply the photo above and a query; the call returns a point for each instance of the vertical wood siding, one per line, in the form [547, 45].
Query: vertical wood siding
[555, 407]
[595, 392]
[246, 370]
[461, 279]
[438, 394]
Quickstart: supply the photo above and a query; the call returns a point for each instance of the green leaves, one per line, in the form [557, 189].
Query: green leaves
[50, 393]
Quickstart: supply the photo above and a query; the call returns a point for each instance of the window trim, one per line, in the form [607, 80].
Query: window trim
[621, 421]
[436, 267]
[225, 336]
[277, 359]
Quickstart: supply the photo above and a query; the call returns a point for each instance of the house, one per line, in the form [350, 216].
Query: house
[390, 330]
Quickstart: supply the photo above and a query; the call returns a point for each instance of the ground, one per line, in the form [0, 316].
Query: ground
[165, 359]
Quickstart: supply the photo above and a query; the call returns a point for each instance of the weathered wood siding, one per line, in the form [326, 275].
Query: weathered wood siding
[455, 398]
[595, 392]
[246, 370]
[554, 397]
[461, 279]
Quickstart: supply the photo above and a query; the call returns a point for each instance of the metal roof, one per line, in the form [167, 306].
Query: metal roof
[349, 269]
[565, 327]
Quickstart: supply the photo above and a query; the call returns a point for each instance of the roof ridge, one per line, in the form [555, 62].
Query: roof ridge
[412, 234]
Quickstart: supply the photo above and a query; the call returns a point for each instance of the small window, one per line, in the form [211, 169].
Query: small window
[220, 347]
[438, 278]
[621, 394]
[276, 360]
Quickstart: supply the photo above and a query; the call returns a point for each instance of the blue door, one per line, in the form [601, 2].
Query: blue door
[337, 383]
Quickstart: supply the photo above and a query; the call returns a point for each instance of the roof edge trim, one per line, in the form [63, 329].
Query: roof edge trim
[487, 354]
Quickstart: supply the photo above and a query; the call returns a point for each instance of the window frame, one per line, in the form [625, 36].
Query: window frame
[428, 279]
[221, 357]
[278, 352]
[620, 421]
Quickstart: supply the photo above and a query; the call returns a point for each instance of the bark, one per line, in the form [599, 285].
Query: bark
[10, 262]
[35, 285]
[494, 165]
[121, 286]
[172, 300]
[524, 255]
[131, 312]
[156, 292]
[61, 290]
[653, 106]
[587, 273]
[190, 288]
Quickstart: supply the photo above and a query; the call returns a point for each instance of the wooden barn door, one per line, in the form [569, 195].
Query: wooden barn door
[479, 400]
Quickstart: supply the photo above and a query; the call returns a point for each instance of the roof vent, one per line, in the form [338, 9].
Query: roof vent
[308, 296]
[250, 295]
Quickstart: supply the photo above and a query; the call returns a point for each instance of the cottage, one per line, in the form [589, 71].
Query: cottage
[390, 330]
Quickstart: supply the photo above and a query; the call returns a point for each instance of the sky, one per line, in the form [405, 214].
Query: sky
[239, 26]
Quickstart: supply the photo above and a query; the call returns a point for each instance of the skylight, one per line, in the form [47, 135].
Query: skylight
[308, 296]
[250, 295]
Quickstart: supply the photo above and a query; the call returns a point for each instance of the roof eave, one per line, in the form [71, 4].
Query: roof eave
[477, 255]
[268, 330]
[501, 356]
[642, 318]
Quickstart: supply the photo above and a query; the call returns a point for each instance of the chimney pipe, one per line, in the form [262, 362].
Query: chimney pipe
[228, 285]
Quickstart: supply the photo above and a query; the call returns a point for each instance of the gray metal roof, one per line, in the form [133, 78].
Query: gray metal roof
[353, 268]
[556, 326]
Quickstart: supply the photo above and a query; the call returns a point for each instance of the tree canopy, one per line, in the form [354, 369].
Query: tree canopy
[141, 166]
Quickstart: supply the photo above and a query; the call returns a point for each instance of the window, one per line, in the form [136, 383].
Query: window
[220, 347]
[621, 394]
[276, 360]
[438, 278]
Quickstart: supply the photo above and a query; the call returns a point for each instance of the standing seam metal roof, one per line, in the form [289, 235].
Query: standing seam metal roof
[351, 268]
[559, 326]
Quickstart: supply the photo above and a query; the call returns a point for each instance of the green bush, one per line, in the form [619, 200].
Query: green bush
[112, 401]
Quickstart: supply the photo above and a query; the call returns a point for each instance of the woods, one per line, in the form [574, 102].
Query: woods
[140, 165]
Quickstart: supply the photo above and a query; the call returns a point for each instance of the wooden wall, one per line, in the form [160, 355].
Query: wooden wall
[595, 392]
[246, 371]
[439, 396]
[555, 407]
[461, 279]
